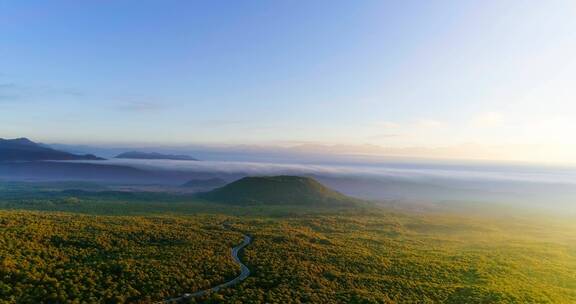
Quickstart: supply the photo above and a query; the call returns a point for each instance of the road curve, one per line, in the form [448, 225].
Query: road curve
[244, 273]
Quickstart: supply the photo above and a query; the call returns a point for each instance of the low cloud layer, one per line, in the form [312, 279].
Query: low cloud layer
[530, 174]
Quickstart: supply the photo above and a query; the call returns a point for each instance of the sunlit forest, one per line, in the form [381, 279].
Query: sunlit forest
[66, 258]
[288, 152]
[79, 250]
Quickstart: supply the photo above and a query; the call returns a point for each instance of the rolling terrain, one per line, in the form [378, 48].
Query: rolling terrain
[120, 247]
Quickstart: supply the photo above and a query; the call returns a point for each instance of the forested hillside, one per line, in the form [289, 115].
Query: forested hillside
[277, 190]
[320, 256]
[64, 258]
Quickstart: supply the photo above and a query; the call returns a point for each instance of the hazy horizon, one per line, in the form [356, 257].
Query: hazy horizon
[252, 151]
[449, 79]
[305, 152]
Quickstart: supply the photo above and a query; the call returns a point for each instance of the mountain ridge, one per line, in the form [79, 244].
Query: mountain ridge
[23, 149]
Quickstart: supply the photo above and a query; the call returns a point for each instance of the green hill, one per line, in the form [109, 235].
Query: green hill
[277, 190]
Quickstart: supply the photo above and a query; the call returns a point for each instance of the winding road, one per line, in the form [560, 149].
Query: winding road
[244, 273]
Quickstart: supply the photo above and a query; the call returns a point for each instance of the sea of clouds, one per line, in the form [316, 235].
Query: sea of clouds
[403, 171]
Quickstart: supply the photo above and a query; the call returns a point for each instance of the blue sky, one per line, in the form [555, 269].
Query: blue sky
[454, 76]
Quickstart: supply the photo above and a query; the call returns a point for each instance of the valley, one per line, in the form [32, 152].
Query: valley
[145, 248]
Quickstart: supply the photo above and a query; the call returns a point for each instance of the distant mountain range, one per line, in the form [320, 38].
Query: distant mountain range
[277, 190]
[152, 155]
[102, 172]
[23, 149]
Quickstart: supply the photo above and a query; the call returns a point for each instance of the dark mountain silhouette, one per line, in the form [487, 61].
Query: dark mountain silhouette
[101, 172]
[152, 155]
[23, 149]
[277, 190]
[48, 170]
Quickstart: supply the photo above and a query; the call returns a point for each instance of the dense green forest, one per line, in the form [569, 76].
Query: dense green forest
[410, 259]
[132, 248]
[60, 258]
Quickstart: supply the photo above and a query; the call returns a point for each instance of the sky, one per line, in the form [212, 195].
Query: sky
[489, 79]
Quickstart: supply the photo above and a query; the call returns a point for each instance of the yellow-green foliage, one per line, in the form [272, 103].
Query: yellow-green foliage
[61, 258]
[359, 257]
[409, 259]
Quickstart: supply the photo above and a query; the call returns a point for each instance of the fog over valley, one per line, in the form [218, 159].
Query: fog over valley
[405, 184]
